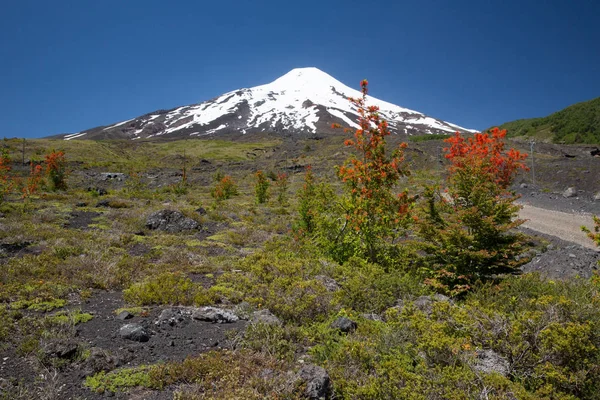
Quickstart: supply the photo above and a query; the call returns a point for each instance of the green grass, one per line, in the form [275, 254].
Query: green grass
[126, 156]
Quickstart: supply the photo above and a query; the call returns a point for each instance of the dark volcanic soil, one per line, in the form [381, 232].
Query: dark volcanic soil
[168, 342]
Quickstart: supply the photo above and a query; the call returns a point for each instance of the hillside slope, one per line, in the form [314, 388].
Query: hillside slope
[579, 123]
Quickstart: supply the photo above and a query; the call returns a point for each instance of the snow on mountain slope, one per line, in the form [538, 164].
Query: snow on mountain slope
[303, 101]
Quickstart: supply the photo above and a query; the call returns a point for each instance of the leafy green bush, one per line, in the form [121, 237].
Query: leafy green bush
[367, 287]
[119, 380]
[282, 281]
[545, 331]
[261, 187]
[215, 375]
[166, 288]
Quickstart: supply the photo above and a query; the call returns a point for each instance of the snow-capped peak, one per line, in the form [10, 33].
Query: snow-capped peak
[304, 100]
[309, 79]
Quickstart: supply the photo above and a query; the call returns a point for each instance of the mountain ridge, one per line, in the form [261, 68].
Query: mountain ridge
[304, 101]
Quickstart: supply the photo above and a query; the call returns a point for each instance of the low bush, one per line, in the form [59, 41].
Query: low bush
[282, 281]
[261, 187]
[543, 335]
[215, 375]
[368, 287]
[166, 288]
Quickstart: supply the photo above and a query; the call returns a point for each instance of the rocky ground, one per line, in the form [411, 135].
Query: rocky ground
[155, 334]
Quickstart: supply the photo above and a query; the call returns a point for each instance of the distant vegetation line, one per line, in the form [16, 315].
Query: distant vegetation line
[579, 123]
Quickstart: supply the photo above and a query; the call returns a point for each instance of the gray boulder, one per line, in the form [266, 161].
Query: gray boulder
[318, 384]
[488, 361]
[60, 348]
[597, 196]
[343, 324]
[103, 203]
[123, 315]
[169, 316]
[107, 176]
[134, 332]
[213, 314]
[425, 303]
[265, 317]
[570, 192]
[170, 221]
[372, 317]
[99, 360]
[330, 284]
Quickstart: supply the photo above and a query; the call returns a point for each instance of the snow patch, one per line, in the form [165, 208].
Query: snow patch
[218, 128]
[340, 115]
[74, 135]
[119, 124]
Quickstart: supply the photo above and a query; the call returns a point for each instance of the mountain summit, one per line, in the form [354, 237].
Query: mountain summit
[303, 101]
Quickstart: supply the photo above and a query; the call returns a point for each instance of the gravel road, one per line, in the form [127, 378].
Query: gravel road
[566, 226]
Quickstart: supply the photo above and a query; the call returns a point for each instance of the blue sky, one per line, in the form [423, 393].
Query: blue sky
[67, 66]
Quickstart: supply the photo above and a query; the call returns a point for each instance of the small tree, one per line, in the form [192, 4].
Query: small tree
[56, 170]
[282, 184]
[224, 189]
[306, 196]
[374, 213]
[5, 181]
[465, 230]
[261, 187]
[33, 181]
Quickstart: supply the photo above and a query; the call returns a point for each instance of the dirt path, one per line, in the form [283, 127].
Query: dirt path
[566, 226]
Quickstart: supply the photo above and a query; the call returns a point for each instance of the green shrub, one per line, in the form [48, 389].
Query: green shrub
[38, 304]
[214, 375]
[367, 287]
[546, 332]
[261, 187]
[119, 380]
[166, 288]
[282, 281]
[273, 340]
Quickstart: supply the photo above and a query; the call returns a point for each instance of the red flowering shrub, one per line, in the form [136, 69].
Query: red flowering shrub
[374, 212]
[224, 189]
[466, 230]
[56, 170]
[5, 181]
[33, 182]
